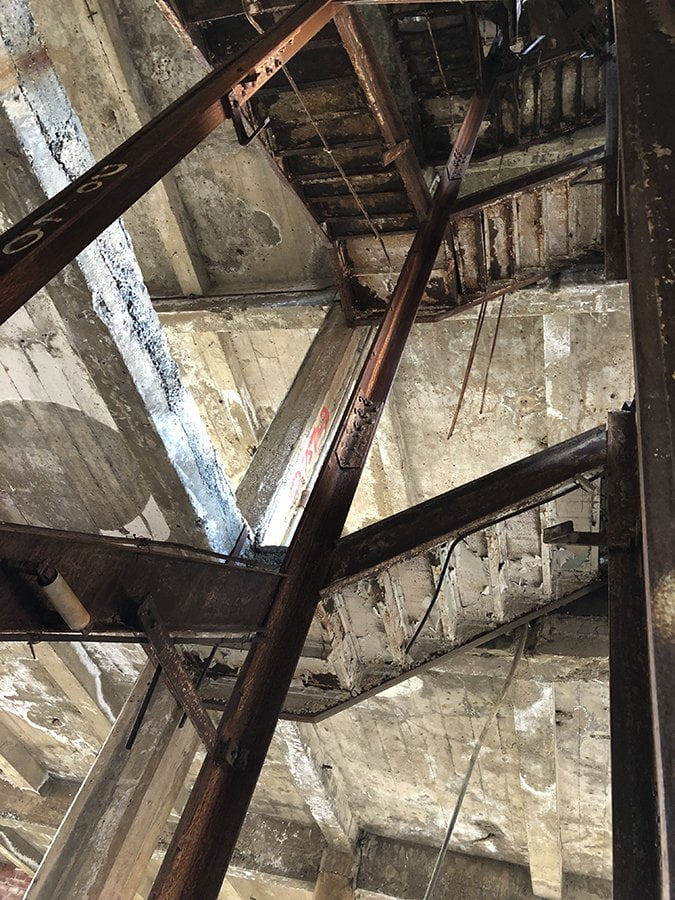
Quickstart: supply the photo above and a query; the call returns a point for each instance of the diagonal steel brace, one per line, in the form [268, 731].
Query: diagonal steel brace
[162, 652]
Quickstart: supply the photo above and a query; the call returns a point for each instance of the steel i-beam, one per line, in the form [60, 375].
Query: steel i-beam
[635, 838]
[645, 41]
[198, 857]
[39, 246]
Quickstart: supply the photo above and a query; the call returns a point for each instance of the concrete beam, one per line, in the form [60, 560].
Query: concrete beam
[106, 840]
[391, 869]
[574, 292]
[29, 812]
[271, 492]
[163, 201]
[17, 763]
[276, 851]
[19, 851]
[319, 783]
[534, 716]
[245, 312]
[336, 877]
[82, 682]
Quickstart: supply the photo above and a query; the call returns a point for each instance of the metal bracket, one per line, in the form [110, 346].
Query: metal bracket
[162, 652]
[233, 110]
[563, 533]
[391, 154]
[353, 447]
[233, 754]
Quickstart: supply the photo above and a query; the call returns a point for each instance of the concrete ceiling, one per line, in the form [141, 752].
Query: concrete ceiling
[225, 224]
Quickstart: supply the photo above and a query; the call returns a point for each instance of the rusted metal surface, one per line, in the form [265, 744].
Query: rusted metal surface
[615, 232]
[196, 593]
[342, 86]
[362, 52]
[197, 859]
[39, 246]
[645, 59]
[162, 652]
[635, 857]
[522, 483]
[500, 239]
[547, 97]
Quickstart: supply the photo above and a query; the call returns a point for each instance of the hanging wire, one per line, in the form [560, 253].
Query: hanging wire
[350, 187]
[492, 352]
[472, 762]
[441, 72]
[469, 365]
[441, 578]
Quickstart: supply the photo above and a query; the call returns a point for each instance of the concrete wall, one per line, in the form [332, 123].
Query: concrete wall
[101, 435]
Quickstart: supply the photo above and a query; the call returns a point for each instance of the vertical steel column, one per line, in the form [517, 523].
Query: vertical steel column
[645, 40]
[613, 227]
[197, 860]
[634, 809]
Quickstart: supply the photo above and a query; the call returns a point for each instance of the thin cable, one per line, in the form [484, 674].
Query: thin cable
[326, 147]
[441, 578]
[492, 352]
[469, 365]
[462, 537]
[472, 762]
[439, 64]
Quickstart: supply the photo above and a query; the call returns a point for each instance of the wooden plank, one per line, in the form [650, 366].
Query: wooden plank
[111, 830]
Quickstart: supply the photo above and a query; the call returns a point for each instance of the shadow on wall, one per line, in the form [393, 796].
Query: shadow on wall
[61, 468]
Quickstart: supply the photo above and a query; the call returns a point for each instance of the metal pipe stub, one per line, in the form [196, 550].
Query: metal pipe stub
[64, 600]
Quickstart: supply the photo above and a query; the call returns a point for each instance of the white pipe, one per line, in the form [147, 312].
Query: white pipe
[64, 600]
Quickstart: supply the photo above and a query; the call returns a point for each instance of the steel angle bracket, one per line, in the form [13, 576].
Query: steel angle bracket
[563, 534]
[162, 652]
[233, 111]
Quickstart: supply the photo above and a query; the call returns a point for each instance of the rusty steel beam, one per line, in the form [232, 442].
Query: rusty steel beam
[612, 212]
[537, 178]
[39, 246]
[199, 854]
[199, 594]
[635, 838]
[645, 40]
[530, 480]
[164, 655]
[375, 84]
